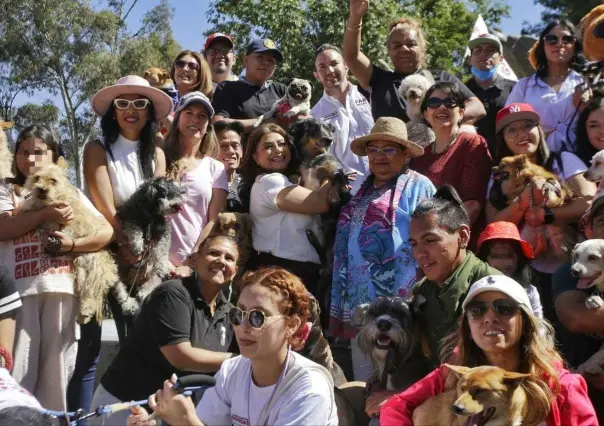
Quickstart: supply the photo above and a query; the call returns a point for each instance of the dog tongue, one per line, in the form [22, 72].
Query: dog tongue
[480, 419]
[584, 283]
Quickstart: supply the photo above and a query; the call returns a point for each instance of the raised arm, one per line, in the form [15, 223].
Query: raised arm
[359, 64]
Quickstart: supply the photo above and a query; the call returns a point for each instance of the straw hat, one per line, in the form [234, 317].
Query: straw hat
[132, 85]
[388, 129]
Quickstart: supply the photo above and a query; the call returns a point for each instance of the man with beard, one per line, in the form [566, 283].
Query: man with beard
[251, 96]
[490, 87]
[342, 105]
[220, 55]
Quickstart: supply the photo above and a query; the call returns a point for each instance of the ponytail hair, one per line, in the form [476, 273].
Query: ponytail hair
[447, 207]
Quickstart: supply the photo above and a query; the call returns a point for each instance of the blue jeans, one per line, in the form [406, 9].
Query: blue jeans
[81, 385]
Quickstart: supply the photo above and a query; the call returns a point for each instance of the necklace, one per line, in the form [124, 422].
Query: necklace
[453, 139]
[270, 400]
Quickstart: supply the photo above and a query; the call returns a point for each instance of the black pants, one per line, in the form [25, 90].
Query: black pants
[308, 272]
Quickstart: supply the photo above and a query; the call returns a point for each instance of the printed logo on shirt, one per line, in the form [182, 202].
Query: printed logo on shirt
[330, 116]
[361, 101]
[239, 421]
[30, 261]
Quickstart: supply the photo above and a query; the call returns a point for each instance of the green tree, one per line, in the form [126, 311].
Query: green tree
[72, 49]
[573, 10]
[28, 114]
[299, 27]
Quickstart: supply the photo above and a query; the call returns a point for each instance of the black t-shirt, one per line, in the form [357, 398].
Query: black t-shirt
[240, 100]
[576, 348]
[10, 302]
[493, 99]
[174, 313]
[385, 101]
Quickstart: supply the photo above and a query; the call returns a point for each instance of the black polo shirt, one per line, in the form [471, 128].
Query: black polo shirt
[493, 99]
[241, 100]
[385, 101]
[174, 313]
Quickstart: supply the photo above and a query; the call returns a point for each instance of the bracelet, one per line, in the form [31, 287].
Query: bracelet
[353, 27]
[6, 360]
[72, 245]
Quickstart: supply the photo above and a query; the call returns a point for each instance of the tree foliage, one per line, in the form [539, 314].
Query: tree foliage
[27, 114]
[73, 49]
[573, 10]
[299, 27]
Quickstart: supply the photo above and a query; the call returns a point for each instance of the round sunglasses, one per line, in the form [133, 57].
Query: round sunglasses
[180, 64]
[125, 103]
[553, 39]
[434, 103]
[256, 317]
[507, 308]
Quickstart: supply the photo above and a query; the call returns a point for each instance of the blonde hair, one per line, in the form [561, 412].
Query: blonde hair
[538, 357]
[204, 74]
[405, 24]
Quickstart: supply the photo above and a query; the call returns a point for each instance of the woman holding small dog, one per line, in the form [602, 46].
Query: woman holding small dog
[183, 328]
[499, 328]
[372, 257]
[268, 384]
[47, 333]
[191, 151]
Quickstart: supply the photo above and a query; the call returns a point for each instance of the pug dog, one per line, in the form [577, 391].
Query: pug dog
[295, 102]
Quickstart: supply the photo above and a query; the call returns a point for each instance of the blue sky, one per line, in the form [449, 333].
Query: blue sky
[190, 23]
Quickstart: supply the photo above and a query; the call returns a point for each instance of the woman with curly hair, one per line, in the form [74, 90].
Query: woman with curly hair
[267, 383]
[498, 328]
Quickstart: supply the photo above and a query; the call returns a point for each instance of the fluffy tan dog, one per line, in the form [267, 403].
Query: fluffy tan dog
[6, 156]
[238, 226]
[486, 396]
[94, 273]
[158, 78]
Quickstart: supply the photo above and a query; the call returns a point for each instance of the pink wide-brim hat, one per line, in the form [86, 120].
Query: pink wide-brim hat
[132, 85]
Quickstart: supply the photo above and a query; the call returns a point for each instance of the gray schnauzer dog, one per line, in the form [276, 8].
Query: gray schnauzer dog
[391, 338]
[144, 219]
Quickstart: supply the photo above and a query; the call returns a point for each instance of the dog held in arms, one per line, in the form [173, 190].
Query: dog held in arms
[503, 400]
[95, 274]
[510, 178]
[144, 221]
[391, 337]
[295, 102]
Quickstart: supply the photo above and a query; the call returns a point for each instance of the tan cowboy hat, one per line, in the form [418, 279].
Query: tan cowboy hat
[389, 129]
[132, 85]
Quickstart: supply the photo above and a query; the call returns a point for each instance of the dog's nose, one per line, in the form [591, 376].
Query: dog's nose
[384, 325]
[458, 409]
[575, 272]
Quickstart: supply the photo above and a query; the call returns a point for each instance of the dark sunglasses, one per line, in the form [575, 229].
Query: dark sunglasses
[256, 317]
[553, 39]
[434, 103]
[476, 309]
[180, 64]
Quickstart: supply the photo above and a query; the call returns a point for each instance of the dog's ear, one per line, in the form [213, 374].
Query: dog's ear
[513, 379]
[358, 317]
[289, 81]
[165, 74]
[459, 370]
[62, 163]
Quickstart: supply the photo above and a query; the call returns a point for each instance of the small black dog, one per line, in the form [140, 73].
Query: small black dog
[391, 337]
[311, 137]
[144, 220]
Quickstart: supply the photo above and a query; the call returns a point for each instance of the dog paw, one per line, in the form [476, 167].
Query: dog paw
[594, 302]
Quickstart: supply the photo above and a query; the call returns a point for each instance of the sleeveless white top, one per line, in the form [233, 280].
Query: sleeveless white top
[124, 169]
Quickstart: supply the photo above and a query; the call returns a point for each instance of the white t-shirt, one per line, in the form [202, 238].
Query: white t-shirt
[350, 121]
[33, 271]
[277, 232]
[13, 395]
[305, 396]
[190, 221]
[555, 109]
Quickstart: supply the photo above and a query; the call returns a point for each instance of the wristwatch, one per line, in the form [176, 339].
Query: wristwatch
[549, 216]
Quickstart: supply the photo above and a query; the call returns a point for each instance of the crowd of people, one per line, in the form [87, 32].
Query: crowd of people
[425, 222]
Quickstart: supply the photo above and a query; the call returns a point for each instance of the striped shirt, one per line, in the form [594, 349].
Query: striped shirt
[10, 300]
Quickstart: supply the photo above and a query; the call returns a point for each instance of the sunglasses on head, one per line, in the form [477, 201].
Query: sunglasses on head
[125, 103]
[256, 317]
[179, 63]
[553, 39]
[434, 103]
[507, 308]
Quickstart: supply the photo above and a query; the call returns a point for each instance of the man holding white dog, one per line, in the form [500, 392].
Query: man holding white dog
[345, 108]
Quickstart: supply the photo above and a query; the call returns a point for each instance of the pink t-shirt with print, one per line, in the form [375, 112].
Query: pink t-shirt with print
[189, 222]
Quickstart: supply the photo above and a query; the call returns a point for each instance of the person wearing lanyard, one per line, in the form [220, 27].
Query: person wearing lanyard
[345, 108]
[268, 384]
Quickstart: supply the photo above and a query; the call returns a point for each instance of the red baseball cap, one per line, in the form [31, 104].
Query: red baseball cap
[213, 37]
[505, 231]
[515, 112]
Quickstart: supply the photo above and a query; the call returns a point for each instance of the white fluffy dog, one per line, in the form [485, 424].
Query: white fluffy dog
[588, 267]
[595, 173]
[6, 157]
[412, 91]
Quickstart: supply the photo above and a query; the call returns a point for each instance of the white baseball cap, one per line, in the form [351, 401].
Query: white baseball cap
[500, 283]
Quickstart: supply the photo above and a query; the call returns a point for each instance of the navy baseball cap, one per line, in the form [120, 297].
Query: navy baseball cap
[261, 45]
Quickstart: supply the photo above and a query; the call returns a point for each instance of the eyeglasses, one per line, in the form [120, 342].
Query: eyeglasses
[507, 308]
[256, 317]
[388, 151]
[222, 50]
[512, 130]
[553, 39]
[180, 64]
[125, 103]
[434, 103]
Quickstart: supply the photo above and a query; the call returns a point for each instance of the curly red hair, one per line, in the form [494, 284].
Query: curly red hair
[296, 301]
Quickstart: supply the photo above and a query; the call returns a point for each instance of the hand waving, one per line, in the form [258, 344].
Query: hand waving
[359, 8]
